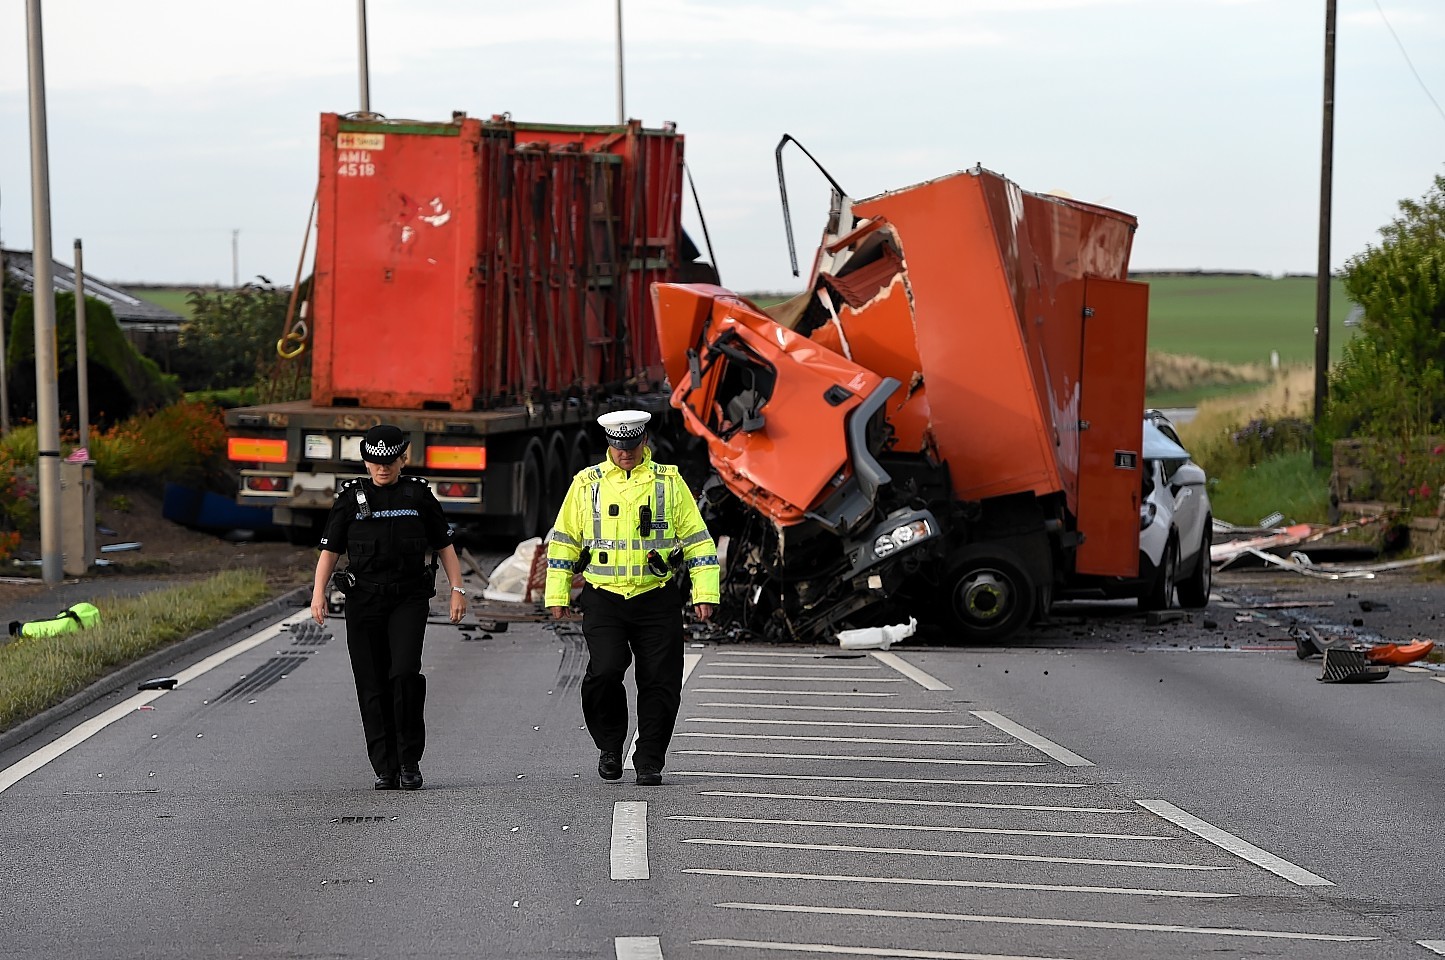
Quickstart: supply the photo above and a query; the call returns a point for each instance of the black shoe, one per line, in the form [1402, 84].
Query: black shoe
[387, 782]
[410, 778]
[649, 778]
[609, 765]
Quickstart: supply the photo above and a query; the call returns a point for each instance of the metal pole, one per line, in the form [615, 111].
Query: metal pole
[47, 403]
[1322, 278]
[361, 36]
[4, 374]
[82, 360]
[235, 258]
[621, 109]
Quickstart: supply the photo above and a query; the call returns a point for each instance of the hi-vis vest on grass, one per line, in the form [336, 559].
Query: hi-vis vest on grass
[605, 511]
[79, 616]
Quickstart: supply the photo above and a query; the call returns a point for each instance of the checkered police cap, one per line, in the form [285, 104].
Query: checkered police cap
[383, 443]
[624, 428]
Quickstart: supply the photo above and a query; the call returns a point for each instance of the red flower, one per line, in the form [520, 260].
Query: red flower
[1424, 490]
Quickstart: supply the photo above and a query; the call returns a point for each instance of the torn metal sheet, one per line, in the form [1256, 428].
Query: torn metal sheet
[1229, 551]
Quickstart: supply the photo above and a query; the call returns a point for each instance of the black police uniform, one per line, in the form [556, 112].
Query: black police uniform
[386, 533]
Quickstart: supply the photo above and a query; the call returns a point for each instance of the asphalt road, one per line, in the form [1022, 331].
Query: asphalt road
[1109, 788]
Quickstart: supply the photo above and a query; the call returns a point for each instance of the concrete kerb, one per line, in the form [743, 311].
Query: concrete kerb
[152, 663]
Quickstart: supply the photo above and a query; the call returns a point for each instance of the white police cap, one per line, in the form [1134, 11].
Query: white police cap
[624, 428]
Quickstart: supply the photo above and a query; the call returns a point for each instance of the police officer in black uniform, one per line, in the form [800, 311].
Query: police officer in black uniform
[386, 523]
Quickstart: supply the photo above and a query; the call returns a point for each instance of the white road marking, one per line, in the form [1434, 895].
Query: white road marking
[790, 736]
[959, 854]
[638, 948]
[1049, 922]
[1438, 679]
[732, 774]
[794, 666]
[1229, 842]
[760, 676]
[830, 709]
[689, 663]
[1412, 669]
[870, 759]
[788, 693]
[968, 804]
[629, 840]
[853, 825]
[833, 723]
[862, 951]
[77, 735]
[813, 655]
[1065, 756]
[920, 677]
[1434, 946]
[974, 884]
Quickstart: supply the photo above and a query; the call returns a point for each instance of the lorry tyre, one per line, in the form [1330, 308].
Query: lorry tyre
[1160, 593]
[558, 477]
[530, 495]
[579, 454]
[1194, 589]
[990, 596]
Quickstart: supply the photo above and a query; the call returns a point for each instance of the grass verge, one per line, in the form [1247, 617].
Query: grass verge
[38, 673]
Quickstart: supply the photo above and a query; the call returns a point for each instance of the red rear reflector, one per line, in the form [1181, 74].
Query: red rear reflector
[267, 484]
[255, 450]
[456, 458]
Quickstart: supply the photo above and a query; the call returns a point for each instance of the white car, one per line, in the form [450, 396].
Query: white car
[1175, 523]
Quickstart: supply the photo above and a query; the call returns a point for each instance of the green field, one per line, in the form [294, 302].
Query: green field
[171, 298]
[1240, 319]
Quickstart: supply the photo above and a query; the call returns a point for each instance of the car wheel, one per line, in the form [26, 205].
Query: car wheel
[1160, 595]
[1194, 589]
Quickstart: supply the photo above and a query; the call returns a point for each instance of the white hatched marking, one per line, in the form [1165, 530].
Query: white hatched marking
[736, 775]
[1065, 756]
[629, 840]
[760, 676]
[788, 693]
[862, 951]
[794, 706]
[789, 736]
[794, 666]
[921, 677]
[973, 884]
[833, 723]
[1232, 844]
[813, 655]
[1438, 679]
[1434, 946]
[638, 948]
[77, 735]
[958, 854]
[1050, 922]
[969, 804]
[871, 759]
[853, 825]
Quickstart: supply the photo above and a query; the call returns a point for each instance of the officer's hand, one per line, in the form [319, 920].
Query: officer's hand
[558, 612]
[458, 607]
[703, 611]
[318, 609]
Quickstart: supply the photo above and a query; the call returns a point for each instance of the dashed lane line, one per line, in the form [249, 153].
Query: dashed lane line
[638, 948]
[1044, 745]
[828, 709]
[897, 801]
[629, 840]
[1048, 922]
[788, 693]
[952, 854]
[795, 666]
[972, 884]
[866, 759]
[799, 737]
[737, 775]
[1230, 843]
[922, 678]
[788, 947]
[1434, 946]
[927, 828]
[773, 654]
[759, 676]
[833, 723]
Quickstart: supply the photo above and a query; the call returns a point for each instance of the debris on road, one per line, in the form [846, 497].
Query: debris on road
[1350, 666]
[1227, 552]
[876, 638]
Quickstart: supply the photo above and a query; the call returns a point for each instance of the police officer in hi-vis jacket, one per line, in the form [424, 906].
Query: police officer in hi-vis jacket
[629, 524]
[386, 523]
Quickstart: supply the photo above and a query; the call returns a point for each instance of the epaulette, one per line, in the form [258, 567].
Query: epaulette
[664, 469]
[414, 478]
[346, 485]
[590, 473]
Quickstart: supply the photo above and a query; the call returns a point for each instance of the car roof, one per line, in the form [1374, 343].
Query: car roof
[1158, 446]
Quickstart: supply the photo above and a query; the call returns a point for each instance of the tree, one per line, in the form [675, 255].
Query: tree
[230, 340]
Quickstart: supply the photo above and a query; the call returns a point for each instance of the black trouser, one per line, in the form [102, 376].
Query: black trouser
[384, 636]
[648, 626]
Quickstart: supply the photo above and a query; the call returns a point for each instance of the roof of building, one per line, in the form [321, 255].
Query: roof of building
[130, 311]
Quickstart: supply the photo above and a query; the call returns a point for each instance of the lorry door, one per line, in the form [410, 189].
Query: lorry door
[1111, 418]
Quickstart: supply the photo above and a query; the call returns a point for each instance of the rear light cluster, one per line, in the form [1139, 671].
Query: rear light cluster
[456, 489]
[266, 484]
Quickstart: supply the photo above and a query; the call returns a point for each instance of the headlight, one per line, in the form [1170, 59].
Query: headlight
[900, 536]
[1147, 512]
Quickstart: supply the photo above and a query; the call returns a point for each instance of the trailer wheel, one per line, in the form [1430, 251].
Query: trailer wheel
[531, 494]
[1194, 589]
[579, 454]
[557, 476]
[1160, 593]
[990, 596]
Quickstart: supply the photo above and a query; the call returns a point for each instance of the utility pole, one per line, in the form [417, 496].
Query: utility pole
[621, 110]
[1322, 277]
[4, 374]
[361, 53]
[82, 349]
[235, 258]
[47, 401]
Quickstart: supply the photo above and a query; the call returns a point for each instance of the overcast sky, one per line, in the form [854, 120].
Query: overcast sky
[174, 122]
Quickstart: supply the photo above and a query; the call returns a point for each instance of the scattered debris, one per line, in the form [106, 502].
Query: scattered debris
[1226, 552]
[1156, 617]
[120, 547]
[873, 638]
[1344, 665]
[157, 683]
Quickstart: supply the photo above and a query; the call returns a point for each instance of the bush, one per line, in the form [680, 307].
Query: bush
[183, 442]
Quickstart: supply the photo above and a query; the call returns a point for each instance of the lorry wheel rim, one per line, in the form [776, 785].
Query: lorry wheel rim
[985, 596]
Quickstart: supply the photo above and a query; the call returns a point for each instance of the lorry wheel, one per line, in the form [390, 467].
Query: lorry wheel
[1194, 589]
[1160, 594]
[579, 454]
[531, 521]
[990, 597]
[557, 476]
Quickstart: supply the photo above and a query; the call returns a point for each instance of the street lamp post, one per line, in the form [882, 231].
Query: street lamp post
[1322, 276]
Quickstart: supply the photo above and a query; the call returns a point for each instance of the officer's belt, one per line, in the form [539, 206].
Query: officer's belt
[390, 589]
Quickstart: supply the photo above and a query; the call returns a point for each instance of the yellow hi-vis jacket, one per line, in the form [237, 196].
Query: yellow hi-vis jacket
[603, 512]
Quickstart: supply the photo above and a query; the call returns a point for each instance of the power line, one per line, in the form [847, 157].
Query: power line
[1410, 63]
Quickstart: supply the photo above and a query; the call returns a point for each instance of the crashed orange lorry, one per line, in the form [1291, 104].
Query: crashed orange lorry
[946, 423]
